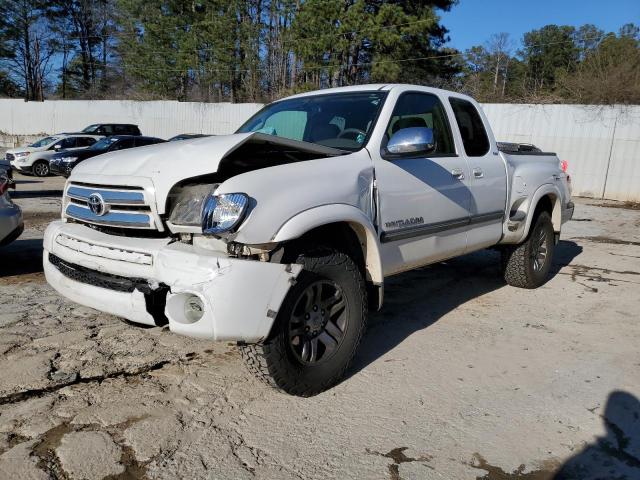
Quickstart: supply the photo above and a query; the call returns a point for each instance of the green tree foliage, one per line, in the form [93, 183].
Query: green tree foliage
[256, 49]
[557, 64]
[609, 73]
[259, 50]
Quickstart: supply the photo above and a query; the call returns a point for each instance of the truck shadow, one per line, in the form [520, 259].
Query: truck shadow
[36, 193]
[22, 257]
[617, 453]
[415, 300]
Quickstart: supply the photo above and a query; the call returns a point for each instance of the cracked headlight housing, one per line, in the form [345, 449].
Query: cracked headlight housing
[187, 209]
[223, 213]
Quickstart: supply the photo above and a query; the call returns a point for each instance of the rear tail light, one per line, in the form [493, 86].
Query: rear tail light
[6, 184]
[564, 165]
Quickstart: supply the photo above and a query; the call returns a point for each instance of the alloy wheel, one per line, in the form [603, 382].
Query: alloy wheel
[318, 322]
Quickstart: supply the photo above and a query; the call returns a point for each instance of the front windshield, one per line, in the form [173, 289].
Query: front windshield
[342, 120]
[44, 142]
[90, 129]
[103, 143]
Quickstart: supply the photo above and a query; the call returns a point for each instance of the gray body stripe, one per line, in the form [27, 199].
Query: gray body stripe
[431, 228]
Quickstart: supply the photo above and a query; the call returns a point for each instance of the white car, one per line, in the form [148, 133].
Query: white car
[34, 158]
[280, 236]
[11, 224]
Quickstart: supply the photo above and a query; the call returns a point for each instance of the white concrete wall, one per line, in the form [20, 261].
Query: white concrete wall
[601, 144]
[162, 119]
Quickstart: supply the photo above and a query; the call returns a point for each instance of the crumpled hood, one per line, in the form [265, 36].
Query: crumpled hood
[179, 159]
[166, 164]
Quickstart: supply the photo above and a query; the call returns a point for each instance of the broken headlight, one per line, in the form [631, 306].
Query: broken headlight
[187, 208]
[222, 213]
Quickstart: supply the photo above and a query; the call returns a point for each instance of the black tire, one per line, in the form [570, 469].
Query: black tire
[40, 168]
[527, 265]
[280, 360]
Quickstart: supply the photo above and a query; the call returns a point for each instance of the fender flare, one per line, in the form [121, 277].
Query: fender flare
[316, 217]
[543, 190]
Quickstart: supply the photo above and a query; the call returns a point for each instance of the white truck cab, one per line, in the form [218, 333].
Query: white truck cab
[34, 158]
[280, 236]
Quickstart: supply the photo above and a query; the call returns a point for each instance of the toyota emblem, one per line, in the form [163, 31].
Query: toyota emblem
[96, 204]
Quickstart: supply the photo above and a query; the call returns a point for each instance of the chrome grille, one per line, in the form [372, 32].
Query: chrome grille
[121, 207]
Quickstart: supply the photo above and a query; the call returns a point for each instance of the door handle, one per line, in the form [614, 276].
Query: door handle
[478, 173]
[457, 173]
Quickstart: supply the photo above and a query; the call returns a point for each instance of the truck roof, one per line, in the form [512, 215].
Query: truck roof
[380, 87]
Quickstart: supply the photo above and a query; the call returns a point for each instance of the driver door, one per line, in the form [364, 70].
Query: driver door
[423, 202]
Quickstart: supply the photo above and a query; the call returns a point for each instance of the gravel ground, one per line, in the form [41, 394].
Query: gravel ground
[458, 377]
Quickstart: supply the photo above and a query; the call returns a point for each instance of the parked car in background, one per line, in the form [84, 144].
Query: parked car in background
[11, 224]
[5, 165]
[108, 129]
[187, 136]
[62, 163]
[34, 159]
[280, 236]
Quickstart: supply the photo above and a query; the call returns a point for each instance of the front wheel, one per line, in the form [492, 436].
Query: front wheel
[41, 168]
[318, 328]
[527, 265]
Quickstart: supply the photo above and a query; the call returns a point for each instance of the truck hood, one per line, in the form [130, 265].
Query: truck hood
[166, 164]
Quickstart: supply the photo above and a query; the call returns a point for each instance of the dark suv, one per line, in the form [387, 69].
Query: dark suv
[108, 129]
[63, 162]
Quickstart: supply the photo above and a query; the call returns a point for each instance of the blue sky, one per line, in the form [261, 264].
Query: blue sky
[471, 22]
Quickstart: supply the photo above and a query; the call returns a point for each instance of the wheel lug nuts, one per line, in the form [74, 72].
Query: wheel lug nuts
[322, 312]
[315, 308]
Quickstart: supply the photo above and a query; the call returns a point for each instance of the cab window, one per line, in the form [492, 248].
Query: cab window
[415, 109]
[474, 136]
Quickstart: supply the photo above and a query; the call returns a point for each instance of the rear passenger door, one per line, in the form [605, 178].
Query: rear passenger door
[487, 181]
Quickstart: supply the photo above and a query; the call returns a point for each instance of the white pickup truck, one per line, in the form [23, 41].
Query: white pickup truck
[280, 236]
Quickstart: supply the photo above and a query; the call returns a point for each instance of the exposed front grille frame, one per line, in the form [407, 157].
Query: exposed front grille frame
[97, 279]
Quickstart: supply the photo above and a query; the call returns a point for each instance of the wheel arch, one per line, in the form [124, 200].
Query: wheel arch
[547, 198]
[348, 228]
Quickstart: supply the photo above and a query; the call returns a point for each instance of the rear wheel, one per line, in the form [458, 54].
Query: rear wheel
[40, 168]
[527, 265]
[318, 328]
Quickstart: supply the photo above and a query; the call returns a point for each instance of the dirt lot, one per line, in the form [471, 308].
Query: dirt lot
[459, 377]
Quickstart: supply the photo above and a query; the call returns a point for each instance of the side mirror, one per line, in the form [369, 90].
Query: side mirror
[411, 141]
[57, 146]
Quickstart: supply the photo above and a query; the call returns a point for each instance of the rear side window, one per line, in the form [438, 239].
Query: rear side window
[69, 142]
[474, 136]
[416, 109]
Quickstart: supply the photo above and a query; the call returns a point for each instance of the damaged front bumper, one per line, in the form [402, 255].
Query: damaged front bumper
[149, 281]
